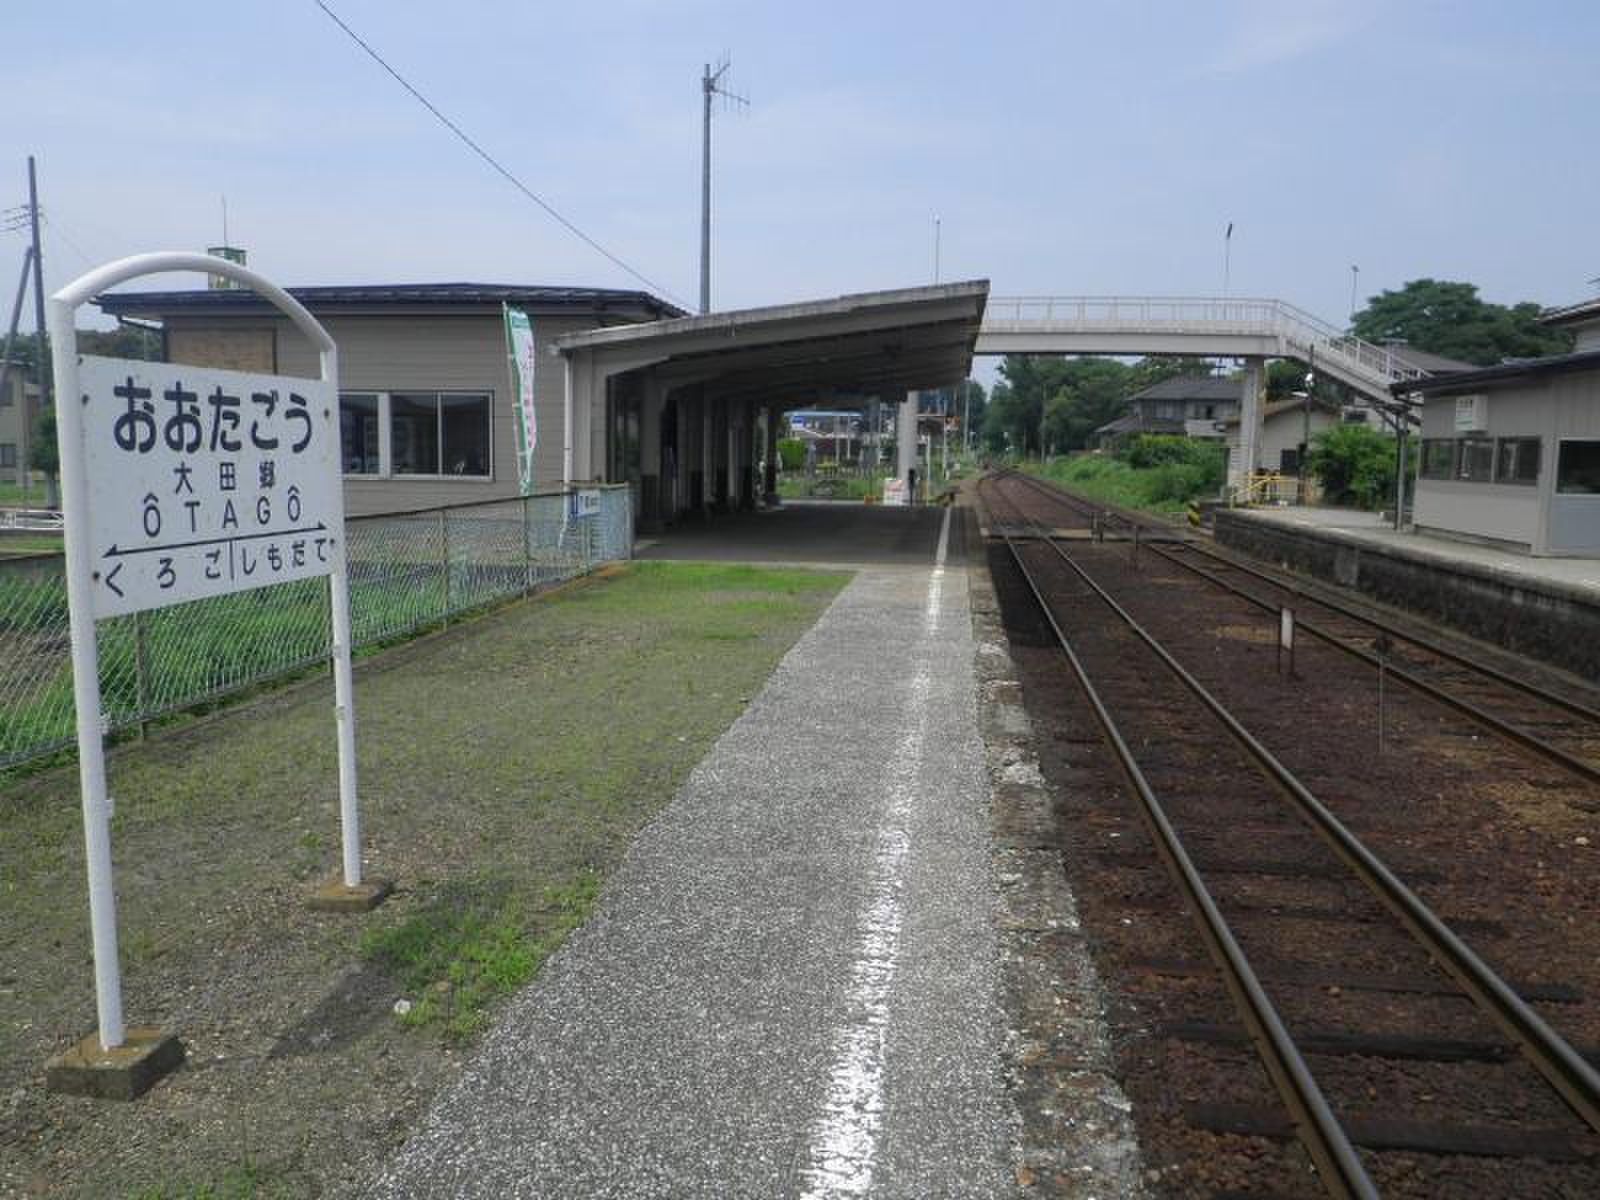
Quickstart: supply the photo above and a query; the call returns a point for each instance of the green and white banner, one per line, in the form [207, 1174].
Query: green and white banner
[519, 347]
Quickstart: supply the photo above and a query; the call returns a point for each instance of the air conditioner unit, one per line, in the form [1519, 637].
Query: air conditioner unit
[1472, 414]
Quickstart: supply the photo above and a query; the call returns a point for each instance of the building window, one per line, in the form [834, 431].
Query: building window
[1578, 468]
[1516, 460]
[1438, 458]
[358, 433]
[1476, 460]
[426, 434]
[464, 435]
[8, 454]
[414, 433]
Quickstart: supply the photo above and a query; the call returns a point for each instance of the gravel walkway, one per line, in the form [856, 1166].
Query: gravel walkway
[790, 987]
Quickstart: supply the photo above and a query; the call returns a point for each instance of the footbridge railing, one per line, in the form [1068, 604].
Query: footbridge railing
[1368, 367]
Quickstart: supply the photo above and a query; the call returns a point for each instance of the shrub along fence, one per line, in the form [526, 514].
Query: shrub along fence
[407, 571]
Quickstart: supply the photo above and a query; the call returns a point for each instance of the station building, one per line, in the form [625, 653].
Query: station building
[1511, 453]
[427, 403]
[628, 388]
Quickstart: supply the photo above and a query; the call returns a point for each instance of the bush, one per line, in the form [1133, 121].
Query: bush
[791, 453]
[1355, 464]
[1159, 450]
[1191, 469]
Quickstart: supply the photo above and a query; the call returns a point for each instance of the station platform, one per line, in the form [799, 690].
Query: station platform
[1547, 608]
[819, 532]
[792, 985]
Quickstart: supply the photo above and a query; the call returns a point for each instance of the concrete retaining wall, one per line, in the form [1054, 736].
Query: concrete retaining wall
[1544, 619]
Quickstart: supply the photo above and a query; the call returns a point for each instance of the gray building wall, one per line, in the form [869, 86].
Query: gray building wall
[1565, 406]
[421, 352]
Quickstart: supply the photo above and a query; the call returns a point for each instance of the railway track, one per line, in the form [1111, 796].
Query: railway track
[1552, 725]
[1371, 984]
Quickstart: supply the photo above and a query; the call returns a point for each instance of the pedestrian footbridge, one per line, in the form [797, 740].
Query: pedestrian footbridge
[1204, 327]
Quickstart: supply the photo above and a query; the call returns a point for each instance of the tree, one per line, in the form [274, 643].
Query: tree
[43, 456]
[791, 453]
[1448, 318]
[1055, 403]
[1355, 464]
[1091, 392]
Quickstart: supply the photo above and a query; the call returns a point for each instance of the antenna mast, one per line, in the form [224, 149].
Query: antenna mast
[710, 85]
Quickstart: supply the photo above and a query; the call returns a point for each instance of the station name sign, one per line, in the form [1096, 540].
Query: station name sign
[204, 482]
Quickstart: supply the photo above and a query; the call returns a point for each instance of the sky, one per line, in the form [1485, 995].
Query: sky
[1065, 148]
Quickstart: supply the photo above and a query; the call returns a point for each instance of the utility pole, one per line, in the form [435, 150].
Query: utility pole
[41, 367]
[16, 318]
[710, 85]
[936, 233]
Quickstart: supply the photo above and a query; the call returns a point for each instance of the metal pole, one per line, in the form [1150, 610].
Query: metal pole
[86, 680]
[707, 83]
[936, 239]
[527, 545]
[344, 686]
[1355, 273]
[944, 434]
[141, 672]
[444, 561]
[966, 421]
[1305, 443]
[1400, 474]
[41, 373]
[1227, 260]
[38, 291]
[566, 425]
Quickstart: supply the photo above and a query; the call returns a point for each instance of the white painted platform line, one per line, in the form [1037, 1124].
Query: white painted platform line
[842, 1144]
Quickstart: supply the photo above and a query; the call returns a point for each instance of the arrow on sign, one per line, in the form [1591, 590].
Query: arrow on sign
[115, 551]
[110, 576]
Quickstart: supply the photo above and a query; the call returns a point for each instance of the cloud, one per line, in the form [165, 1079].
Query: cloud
[1267, 33]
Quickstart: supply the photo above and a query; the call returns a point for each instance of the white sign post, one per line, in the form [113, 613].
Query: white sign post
[180, 483]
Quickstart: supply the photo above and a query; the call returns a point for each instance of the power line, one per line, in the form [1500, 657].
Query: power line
[55, 228]
[490, 159]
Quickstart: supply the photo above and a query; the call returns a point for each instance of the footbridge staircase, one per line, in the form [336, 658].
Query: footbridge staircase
[1205, 327]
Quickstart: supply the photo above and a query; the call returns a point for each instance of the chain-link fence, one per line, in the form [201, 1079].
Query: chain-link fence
[407, 571]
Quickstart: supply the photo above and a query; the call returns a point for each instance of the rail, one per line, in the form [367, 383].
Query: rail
[1563, 1068]
[1542, 747]
[1319, 1130]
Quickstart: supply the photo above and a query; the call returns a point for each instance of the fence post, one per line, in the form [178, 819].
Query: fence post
[141, 674]
[444, 561]
[527, 547]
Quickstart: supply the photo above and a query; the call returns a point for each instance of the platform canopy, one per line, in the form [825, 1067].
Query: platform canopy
[880, 344]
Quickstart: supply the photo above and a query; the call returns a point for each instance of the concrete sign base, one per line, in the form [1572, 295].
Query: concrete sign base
[123, 1073]
[338, 896]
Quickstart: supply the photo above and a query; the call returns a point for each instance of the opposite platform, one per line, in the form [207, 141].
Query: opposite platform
[790, 987]
[1546, 608]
